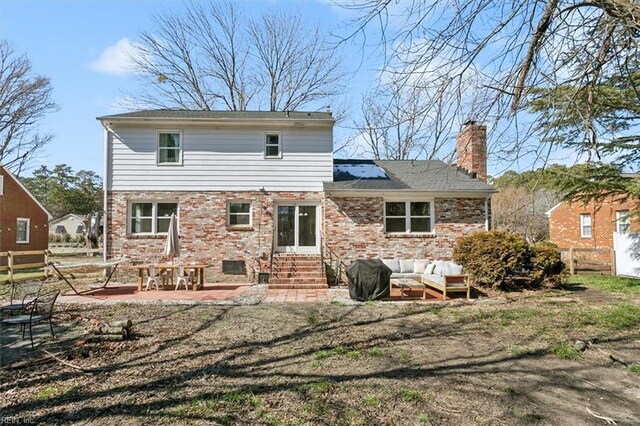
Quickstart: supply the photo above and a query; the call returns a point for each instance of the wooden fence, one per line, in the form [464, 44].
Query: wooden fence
[12, 265]
[589, 260]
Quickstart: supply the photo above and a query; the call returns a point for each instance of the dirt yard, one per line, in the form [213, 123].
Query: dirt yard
[376, 363]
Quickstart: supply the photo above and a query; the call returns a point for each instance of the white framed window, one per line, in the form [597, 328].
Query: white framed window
[239, 213]
[585, 225]
[151, 217]
[23, 230]
[169, 147]
[408, 216]
[623, 222]
[272, 145]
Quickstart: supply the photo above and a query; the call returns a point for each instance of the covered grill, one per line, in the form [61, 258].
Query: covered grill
[368, 279]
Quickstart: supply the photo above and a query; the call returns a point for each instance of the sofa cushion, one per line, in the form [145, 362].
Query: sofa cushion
[450, 268]
[434, 278]
[412, 275]
[406, 266]
[394, 264]
[439, 267]
[419, 267]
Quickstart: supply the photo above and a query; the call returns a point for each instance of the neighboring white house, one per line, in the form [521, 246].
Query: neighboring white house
[71, 224]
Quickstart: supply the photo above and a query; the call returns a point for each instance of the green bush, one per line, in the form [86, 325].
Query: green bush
[502, 259]
[490, 257]
[66, 238]
[547, 266]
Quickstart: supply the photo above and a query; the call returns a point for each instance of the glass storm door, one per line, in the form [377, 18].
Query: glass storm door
[297, 228]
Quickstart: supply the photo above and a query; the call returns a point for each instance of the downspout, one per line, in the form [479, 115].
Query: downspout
[486, 213]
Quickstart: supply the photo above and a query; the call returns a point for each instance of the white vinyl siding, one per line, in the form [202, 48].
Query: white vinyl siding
[220, 159]
[23, 230]
[623, 221]
[585, 226]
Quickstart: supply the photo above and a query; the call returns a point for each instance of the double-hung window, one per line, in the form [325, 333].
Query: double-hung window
[272, 148]
[151, 217]
[585, 225]
[22, 230]
[170, 148]
[623, 222]
[239, 213]
[408, 217]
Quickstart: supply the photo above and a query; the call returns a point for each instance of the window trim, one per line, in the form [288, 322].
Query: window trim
[279, 134]
[154, 216]
[250, 224]
[582, 233]
[28, 221]
[407, 216]
[181, 159]
[619, 216]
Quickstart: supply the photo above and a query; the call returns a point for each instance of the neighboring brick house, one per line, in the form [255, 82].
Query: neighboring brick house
[592, 225]
[263, 188]
[23, 220]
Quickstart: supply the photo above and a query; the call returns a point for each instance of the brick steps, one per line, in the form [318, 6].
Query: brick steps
[297, 271]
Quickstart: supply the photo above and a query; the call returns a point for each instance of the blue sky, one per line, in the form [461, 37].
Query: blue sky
[65, 40]
[77, 44]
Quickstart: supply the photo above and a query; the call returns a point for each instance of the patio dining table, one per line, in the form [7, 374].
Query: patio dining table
[198, 269]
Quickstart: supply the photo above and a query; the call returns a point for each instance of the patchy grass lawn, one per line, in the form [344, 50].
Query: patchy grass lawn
[383, 364]
[609, 283]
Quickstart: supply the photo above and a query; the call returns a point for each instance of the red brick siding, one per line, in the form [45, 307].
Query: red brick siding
[204, 234]
[354, 229]
[17, 203]
[564, 223]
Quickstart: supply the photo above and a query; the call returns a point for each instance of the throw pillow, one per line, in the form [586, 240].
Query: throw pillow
[419, 267]
[406, 266]
[429, 269]
[438, 270]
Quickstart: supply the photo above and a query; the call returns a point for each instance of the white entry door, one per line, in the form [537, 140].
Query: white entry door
[298, 228]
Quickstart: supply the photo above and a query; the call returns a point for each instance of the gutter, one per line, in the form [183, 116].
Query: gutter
[257, 121]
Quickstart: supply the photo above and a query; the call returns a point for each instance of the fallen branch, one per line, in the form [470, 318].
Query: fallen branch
[609, 420]
[68, 364]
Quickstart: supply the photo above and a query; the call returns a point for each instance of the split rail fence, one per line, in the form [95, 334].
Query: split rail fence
[589, 260]
[12, 265]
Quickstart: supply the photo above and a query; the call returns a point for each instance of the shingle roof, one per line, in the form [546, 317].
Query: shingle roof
[175, 114]
[417, 175]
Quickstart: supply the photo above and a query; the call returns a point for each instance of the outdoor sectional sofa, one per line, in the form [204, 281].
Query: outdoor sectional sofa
[445, 276]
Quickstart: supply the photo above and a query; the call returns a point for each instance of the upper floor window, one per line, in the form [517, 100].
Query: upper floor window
[272, 148]
[151, 217]
[585, 225]
[623, 222]
[408, 216]
[169, 148]
[239, 213]
[60, 229]
[22, 230]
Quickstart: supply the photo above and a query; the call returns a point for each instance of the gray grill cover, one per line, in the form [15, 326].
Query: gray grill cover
[368, 279]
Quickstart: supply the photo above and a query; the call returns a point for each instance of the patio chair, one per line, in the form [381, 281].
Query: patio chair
[21, 294]
[184, 278]
[155, 279]
[38, 310]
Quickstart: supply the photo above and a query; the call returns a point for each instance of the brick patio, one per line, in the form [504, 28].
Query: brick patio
[129, 293]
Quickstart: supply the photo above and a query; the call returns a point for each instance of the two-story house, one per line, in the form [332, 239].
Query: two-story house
[263, 188]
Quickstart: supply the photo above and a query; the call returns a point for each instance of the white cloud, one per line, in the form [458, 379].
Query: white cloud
[115, 59]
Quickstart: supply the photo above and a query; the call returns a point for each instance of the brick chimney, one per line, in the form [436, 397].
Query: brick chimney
[471, 149]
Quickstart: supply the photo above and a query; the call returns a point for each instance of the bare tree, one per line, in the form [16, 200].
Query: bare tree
[513, 46]
[25, 99]
[293, 63]
[215, 57]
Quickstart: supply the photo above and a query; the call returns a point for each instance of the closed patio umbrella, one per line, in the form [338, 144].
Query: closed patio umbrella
[172, 246]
